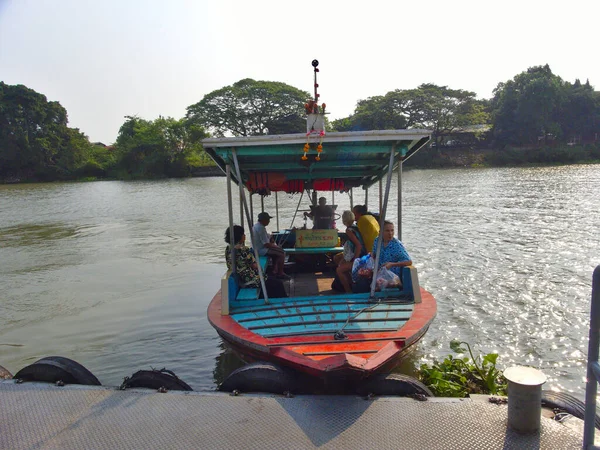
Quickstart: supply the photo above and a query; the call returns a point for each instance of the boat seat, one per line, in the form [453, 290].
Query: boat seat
[251, 293]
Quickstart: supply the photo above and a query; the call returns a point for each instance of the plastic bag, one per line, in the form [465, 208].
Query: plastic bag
[386, 279]
[364, 266]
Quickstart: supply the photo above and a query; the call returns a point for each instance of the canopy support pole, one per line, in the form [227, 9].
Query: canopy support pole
[277, 210]
[297, 208]
[262, 203]
[400, 199]
[241, 186]
[251, 210]
[230, 210]
[249, 218]
[367, 198]
[351, 199]
[380, 194]
[382, 220]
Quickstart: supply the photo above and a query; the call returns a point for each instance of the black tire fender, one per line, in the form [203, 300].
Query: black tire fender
[155, 379]
[260, 377]
[393, 384]
[57, 368]
[568, 403]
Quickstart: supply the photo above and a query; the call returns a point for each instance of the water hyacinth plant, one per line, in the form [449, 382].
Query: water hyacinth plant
[459, 377]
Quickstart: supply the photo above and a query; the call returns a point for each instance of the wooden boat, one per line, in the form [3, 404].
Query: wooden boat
[317, 331]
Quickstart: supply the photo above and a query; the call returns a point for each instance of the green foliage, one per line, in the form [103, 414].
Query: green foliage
[251, 107]
[163, 147]
[537, 106]
[35, 141]
[439, 108]
[459, 377]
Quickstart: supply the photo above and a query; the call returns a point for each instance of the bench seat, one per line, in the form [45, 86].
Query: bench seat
[252, 293]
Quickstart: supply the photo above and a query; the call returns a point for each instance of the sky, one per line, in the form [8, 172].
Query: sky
[107, 59]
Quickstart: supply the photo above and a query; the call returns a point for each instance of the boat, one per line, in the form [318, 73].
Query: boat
[317, 332]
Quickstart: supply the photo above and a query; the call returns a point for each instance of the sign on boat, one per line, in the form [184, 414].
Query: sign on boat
[317, 331]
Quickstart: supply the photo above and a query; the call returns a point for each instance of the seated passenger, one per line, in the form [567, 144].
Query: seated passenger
[367, 225]
[246, 266]
[353, 248]
[393, 257]
[322, 215]
[266, 246]
[393, 254]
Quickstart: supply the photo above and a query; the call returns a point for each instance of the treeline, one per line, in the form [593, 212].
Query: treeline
[536, 117]
[36, 144]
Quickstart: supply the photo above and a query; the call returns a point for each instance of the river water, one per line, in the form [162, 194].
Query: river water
[118, 275]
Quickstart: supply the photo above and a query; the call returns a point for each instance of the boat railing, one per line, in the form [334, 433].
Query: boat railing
[593, 368]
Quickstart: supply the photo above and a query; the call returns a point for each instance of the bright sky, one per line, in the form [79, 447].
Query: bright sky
[105, 59]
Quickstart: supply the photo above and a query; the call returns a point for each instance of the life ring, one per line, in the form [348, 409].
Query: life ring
[57, 368]
[393, 384]
[155, 379]
[260, 377]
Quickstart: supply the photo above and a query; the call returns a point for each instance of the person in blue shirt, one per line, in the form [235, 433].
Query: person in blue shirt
[393, 254]
[393, 257]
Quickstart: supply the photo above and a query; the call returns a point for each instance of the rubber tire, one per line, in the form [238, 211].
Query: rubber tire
[568, 403]
[5, 374]
[57, 368]
[260, 377]
[393, 384]
[154, 379]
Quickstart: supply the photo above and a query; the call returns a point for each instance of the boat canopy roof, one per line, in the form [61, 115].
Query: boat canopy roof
[347, 159]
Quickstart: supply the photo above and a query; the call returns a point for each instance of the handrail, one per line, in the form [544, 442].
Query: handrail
[593, 368]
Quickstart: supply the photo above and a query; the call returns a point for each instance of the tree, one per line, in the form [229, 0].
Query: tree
[163, 147]
[528, 107]
[35, 141]
[438, 108]
[251, 107]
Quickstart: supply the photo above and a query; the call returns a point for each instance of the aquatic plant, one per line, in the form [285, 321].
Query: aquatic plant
[461, 376]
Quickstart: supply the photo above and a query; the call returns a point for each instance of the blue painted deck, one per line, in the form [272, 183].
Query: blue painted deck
[322, 315]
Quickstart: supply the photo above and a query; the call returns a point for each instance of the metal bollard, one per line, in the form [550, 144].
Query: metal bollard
[524, 398]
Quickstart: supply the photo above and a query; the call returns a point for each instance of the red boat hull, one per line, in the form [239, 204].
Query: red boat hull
[358, 356]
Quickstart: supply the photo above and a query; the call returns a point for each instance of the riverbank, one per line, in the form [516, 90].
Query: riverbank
[429, 158]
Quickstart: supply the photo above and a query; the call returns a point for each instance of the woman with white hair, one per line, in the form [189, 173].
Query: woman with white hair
[353, 248]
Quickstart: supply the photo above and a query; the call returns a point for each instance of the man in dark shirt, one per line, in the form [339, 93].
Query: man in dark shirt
[321, 215]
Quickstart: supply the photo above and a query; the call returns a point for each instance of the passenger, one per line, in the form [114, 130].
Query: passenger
[393, 254]
[322, 215]
[367, 225]
[353, 248]
[267, 247]
[246, 266]
[393, 257]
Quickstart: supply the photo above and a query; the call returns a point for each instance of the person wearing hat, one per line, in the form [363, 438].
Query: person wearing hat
[266, 246]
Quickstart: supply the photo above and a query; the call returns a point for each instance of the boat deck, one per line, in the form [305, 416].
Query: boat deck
[42, 416]
[311, 284]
